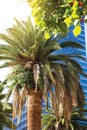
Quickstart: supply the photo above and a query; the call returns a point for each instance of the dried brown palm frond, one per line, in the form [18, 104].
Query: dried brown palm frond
[47, 85]
[58, 105]
[16, 101]
[67, 106]
[61, 100]
[74, 99]
[52, 94]
[64, 98]
[22, 99]
[60, 97]
[36, 72]
[59, 93]
[74, 89]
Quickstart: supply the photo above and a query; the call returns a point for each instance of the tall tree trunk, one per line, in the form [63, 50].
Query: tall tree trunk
[34, 111]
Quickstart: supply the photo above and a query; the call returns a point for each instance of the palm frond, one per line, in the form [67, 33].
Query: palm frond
[57, 57]
[5, 121]
[71, 44]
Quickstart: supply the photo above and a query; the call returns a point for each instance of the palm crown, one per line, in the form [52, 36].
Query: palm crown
[37, 68]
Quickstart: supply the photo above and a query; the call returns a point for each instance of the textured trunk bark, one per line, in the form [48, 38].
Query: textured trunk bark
[34, 111]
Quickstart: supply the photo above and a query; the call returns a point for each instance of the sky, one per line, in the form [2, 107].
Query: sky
[8, 10]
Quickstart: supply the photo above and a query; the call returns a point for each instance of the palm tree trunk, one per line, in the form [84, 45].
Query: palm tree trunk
[34, 111]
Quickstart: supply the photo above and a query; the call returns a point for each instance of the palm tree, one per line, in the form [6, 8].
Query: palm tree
[36, 69]
[5, 111]
[78, 120]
